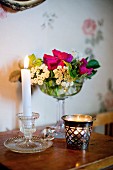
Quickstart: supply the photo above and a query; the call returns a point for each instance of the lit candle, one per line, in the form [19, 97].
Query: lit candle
[26, 88]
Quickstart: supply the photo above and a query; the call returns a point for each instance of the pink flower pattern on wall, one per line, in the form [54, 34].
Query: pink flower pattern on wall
[106, 100]
[92, 30]
[3, 13]
[89, 27]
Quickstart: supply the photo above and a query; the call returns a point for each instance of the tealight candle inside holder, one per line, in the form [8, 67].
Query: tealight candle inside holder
[78, 129]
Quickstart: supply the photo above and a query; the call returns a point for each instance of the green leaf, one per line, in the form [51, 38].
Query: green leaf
[32, 57]
[72, 72]
[50, 83]
[93, 64]
[74, 62]
[33, 61]
[69, 69]
[87, 58]
[38, 62]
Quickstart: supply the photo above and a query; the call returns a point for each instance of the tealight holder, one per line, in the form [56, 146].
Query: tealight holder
[78, 129]
[27, 143]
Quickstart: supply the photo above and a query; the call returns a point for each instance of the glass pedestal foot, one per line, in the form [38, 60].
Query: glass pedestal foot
[20, 145]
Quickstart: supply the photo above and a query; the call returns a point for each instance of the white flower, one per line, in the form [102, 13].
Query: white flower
[60, 78]
[59, 67]
[67, 84]
[55, 71]
[32, 75]
[33, 70]
[71, 83]
[56, 75]
[40, 82]
[45, 68]
[63, 83]
[65, 67]
[35, 81]
[58, 82]
[46, 74]
[42, 76]
[38, 77]
[42, 66]
[37, 73]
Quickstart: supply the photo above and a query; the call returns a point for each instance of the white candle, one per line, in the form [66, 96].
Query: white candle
[26, 88]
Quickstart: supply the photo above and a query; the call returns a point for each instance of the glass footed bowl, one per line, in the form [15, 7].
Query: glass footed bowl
[59, 92]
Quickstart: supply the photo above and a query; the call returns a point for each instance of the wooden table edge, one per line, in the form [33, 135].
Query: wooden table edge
[97, 165]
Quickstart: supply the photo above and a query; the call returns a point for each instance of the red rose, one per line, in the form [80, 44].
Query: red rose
[62, 55]
[52, 62]
[57, 60]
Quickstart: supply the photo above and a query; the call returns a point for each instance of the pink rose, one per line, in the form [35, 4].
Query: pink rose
[84, 62]
[89, 27]
[83, 68]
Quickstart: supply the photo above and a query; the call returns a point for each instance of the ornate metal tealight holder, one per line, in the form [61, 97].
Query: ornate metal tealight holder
[78, 129]
[27, 143]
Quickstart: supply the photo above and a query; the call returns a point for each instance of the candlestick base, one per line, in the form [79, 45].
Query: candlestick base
[27, 143]
[20, 145]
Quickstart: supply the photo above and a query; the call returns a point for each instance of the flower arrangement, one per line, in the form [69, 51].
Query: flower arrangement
[56, 73]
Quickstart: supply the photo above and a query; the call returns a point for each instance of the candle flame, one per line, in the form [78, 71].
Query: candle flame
[26, 62]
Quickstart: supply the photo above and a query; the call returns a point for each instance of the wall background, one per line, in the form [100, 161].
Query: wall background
[57, 25]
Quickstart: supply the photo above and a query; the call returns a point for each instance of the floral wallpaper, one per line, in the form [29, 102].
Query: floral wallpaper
[106, 100]
[92, 30]
[48, 20]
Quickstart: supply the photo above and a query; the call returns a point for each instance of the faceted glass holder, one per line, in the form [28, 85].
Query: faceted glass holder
[27, 143]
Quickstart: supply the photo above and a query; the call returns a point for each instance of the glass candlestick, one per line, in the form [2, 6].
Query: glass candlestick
[27, 127]
[27, 143]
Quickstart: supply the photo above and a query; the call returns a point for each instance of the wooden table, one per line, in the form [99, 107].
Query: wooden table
[98, 156]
